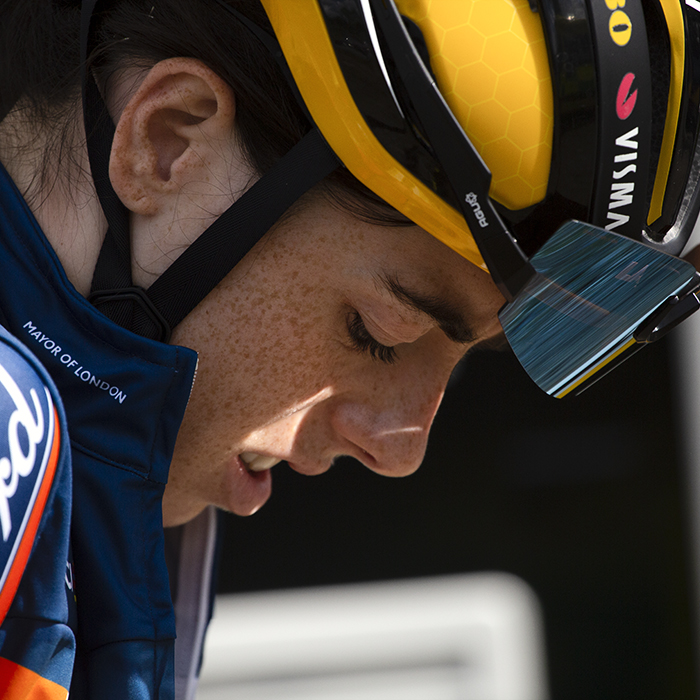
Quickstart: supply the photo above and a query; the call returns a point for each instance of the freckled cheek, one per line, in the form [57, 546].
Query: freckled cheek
[261, 364]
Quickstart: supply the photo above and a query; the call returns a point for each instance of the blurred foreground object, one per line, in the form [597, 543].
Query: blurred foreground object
[465, 637]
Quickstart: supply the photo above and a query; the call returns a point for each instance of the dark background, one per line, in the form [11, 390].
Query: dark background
[583, 498]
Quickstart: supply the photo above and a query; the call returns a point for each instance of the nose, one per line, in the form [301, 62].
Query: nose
[390, 423]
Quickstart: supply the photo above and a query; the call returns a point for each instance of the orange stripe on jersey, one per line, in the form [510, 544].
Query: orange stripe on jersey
[24, 550]
[19, 683]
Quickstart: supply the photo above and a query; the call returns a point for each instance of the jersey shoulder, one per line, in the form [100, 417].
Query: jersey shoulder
[31, 420]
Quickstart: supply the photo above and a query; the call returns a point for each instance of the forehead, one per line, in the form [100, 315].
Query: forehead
[424, 264]
[326, 241]
[405, 248]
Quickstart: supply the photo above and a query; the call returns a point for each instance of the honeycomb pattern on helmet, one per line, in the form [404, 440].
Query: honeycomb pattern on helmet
[490, 61]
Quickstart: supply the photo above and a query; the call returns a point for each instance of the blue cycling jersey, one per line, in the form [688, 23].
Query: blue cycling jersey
[105, 626]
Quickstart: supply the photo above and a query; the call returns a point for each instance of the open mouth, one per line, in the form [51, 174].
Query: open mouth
[258, 463]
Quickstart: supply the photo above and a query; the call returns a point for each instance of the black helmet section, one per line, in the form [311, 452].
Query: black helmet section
[681, 204]
[597, 61]
[610, 76]
[153, 313]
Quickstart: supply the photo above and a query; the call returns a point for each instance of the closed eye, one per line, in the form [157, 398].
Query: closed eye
[363, 342]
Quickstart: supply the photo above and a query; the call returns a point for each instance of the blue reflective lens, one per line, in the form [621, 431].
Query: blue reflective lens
[592, 289]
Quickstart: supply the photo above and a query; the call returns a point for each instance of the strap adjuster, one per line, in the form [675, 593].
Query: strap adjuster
[144, 302]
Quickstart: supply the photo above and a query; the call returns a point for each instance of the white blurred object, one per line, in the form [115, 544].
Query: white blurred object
[686, 346]
[464, 637]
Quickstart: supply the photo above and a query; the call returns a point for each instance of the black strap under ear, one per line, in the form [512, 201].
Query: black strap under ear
[115, 270]
[224, 244]
[155, 312]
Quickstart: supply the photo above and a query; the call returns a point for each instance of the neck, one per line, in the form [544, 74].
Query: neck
[53, 176]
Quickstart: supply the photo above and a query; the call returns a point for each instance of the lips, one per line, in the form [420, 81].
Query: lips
[245, 490]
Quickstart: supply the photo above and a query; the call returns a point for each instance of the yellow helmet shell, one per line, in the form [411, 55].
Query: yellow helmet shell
[497, 85]
[490, 61]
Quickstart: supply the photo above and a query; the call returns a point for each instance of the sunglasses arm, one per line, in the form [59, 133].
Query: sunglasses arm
[672, 312]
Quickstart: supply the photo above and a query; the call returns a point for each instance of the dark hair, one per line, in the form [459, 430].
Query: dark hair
[39, 63]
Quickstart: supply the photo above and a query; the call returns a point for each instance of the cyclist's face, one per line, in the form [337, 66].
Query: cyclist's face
[333, 337]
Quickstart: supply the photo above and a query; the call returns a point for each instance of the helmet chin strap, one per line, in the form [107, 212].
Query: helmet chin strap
[155, 311]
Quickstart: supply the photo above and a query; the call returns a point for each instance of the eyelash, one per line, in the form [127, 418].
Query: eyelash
[364, 342]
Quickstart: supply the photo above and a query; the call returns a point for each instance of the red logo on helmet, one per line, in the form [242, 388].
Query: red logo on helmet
[625, 102]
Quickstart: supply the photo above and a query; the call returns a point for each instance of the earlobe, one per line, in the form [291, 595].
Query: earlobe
[176, 129]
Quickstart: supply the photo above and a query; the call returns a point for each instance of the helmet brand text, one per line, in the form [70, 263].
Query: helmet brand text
[472, 200]
[626, 100]
[620, 25]
[622, 193]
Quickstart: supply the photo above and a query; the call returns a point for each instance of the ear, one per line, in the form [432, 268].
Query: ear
[177, 129]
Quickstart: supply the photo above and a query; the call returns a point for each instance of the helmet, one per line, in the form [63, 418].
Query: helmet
[553, 144]
[579, 110]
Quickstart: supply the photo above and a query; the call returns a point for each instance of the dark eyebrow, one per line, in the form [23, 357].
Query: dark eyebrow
[446, 315]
